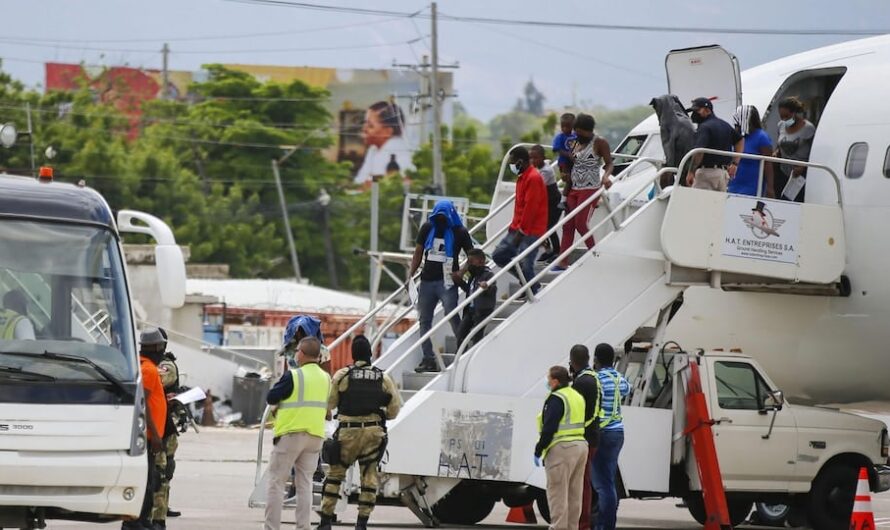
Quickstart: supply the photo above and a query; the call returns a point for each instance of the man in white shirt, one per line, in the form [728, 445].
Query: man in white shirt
[387, 151]
[14, 322]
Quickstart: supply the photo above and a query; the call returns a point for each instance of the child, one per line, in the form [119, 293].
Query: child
[536, 155]
[483, 305]
[563, 144]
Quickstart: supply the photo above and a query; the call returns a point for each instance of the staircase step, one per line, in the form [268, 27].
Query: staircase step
[448, 358]
[450, 343]
[415, 381]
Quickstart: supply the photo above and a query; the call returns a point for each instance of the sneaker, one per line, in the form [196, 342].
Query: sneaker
[173, 513]
[557, 269]
[547, 257]
[427, 365]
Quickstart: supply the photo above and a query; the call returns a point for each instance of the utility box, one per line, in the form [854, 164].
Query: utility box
[249, 396]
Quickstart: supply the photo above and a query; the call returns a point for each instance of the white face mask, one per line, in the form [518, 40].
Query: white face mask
[789, 122]
[514, 169]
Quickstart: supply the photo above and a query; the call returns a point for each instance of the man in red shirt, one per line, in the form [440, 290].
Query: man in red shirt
[529, 216]
[151, 352]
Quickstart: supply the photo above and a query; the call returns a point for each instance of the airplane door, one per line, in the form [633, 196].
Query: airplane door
[707, 71]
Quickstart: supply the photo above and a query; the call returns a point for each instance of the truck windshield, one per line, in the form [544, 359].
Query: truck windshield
[63, 292]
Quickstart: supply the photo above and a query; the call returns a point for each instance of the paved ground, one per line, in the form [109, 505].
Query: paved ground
[214, 478]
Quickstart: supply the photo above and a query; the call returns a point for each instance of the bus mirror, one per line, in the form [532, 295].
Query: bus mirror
[171, 274]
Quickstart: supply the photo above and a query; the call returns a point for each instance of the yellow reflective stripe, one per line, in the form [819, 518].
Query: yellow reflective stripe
[301, 396]
[566, 424]
[616, 402]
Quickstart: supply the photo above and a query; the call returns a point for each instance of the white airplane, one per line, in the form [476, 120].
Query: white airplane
[824, 349]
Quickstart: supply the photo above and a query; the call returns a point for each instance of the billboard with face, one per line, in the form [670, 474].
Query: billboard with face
[380, 117]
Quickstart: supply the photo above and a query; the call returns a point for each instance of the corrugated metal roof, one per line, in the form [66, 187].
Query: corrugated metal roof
[280, 294]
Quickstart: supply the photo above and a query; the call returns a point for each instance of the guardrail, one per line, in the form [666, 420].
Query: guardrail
[524, 288]
[212, 349]
[763, 159]
[513, 263]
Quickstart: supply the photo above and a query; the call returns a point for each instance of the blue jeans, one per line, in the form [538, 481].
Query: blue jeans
[429, 294]
[507, 250]
[602, 475]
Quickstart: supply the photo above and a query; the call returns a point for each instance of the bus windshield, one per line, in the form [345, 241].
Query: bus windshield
[62, 291]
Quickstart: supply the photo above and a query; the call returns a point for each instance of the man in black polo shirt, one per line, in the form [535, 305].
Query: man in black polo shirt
[710, 171]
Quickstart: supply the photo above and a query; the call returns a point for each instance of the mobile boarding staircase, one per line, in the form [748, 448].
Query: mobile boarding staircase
[465, 436]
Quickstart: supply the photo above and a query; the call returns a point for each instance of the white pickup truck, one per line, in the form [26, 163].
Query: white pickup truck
[769, 451]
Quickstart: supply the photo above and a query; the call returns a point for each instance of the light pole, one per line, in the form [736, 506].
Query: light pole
[324, 200]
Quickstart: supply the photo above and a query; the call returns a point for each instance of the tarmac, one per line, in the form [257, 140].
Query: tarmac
[215, 475]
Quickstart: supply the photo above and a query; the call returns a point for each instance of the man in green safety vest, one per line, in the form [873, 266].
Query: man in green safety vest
[563, 448]
[14, 323]
[605, 461]
[301, 396]
[586, 383]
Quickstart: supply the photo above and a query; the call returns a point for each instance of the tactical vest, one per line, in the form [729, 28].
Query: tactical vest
[8, 321]
[364, 394]
[571, 426]
[174, 386]
[305, 409]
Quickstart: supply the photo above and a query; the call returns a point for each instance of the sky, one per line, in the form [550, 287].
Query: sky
[583, 66]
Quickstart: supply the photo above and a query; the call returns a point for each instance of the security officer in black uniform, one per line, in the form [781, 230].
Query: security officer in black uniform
[365, 398]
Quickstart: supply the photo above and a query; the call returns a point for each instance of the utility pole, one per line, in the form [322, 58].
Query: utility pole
[287, 229]
[438, 177]
[31, 139]
[165, 74]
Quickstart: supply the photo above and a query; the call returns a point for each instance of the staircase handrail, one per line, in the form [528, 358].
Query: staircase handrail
[523, 288]
[763, 159]
[513, 263]
[389, 299]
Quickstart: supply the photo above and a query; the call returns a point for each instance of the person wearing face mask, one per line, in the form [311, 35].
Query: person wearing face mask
[586, 383]
[591, 169]
[483, 305]
[529, 216]
[563, 449]
[438, 245]
[795, 142]
[747, 121]
[711, 171]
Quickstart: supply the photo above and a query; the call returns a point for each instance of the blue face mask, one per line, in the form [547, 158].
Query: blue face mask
[547, 386]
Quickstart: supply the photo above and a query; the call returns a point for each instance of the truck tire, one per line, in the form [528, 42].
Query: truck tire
[467, 503]
[772, 514]
[831, 497]
[738, 509]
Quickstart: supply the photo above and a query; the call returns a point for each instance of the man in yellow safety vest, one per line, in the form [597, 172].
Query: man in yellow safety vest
[563, 448]
[14, 322]
[301, 396]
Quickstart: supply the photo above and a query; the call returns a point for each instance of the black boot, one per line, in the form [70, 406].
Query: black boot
[173, 513]
[427, 365]
[361, 523]
[325, 522]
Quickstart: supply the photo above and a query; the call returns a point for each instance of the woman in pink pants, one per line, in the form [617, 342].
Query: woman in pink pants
[591, 169]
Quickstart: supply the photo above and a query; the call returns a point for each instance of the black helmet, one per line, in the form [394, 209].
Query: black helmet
[152, 337]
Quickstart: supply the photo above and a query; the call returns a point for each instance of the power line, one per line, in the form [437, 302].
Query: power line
[203, 52]
[204, 37]
[573, 25]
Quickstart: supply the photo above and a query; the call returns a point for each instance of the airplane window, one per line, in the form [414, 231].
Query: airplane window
[856, 160]
[887, 164]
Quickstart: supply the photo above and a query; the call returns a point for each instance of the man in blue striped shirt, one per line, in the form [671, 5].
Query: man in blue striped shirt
[605, 461]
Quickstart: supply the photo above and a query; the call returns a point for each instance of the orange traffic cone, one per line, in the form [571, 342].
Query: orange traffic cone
[863, 518]
[522, 515]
